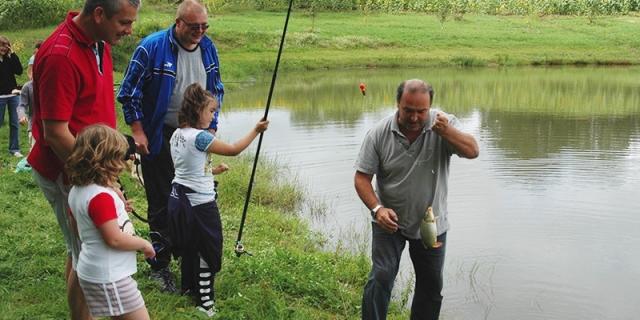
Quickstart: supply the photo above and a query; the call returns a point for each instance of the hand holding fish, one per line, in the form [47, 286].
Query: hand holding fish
[387, 219]
[441, 124]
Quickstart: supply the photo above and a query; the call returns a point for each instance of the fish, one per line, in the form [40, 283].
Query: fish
[429, 230]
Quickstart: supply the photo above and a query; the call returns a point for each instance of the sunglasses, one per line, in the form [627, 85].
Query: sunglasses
[196, 26]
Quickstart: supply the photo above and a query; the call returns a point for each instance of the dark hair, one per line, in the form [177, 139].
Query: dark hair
[38, 44]
[416, 86]
[97, 156]
[194, 101]
[111, 7]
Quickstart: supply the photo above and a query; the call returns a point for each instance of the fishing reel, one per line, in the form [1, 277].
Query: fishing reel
[131, 147]
[240, 250]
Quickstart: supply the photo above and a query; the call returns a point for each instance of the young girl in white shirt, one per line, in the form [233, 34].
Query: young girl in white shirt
[108, 253]
[194, 219]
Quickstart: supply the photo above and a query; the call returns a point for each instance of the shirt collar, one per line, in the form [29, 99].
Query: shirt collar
[78, 33]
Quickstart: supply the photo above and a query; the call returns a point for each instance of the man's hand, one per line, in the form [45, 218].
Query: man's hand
[387, 219]
[441, 124]
[142, 144]
[23, 120]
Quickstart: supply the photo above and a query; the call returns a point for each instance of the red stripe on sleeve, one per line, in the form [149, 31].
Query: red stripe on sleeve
[102, 208]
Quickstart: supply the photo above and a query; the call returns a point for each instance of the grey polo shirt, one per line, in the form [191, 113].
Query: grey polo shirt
[409, 177]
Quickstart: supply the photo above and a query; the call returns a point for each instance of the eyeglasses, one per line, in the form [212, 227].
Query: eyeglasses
[196, 26]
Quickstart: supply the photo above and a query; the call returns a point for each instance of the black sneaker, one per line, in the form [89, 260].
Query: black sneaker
[164, 278]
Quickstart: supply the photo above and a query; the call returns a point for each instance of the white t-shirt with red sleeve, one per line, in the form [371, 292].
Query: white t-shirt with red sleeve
[93, 205]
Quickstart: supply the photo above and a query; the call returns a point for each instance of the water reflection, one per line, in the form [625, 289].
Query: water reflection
[334, 96]
[544, 223]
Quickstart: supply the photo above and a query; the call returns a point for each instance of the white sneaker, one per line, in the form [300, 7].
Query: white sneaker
[210, 313]
[17, 154]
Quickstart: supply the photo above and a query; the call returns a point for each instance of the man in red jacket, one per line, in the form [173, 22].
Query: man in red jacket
[73, 88]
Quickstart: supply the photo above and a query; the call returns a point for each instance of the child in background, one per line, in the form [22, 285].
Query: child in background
[194, 219]
[26, 96]
[107, 256]
[25, 108]
[32, 59]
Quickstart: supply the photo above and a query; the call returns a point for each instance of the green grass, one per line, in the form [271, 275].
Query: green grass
[248, 40]
[288, 277]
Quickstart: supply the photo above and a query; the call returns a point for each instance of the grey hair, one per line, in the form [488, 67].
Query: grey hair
[187, 6]
[111, 7]
[413, 86]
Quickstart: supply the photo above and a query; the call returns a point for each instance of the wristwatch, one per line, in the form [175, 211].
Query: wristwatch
[374, 211]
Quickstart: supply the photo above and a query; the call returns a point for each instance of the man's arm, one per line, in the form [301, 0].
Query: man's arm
[130, 96]
[217, 89]
[362, 182]
[464, 143]
[59, 138]
[385, 217]
[58, 85]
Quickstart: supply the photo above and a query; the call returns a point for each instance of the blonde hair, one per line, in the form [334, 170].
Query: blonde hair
[97, 156]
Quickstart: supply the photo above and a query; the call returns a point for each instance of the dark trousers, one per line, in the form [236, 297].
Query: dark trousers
[11, 104]
[158, 173]
[428, 267]
[197, 234]
[206, 243]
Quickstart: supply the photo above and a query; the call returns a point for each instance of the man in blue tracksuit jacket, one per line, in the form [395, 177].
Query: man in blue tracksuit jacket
[162, 66]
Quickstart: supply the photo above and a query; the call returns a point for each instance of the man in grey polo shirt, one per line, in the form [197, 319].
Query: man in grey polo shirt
[409, 153]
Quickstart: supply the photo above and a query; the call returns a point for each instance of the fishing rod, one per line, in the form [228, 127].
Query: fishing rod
[239, 248]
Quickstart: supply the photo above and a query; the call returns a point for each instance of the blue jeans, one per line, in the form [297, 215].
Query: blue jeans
[386, 251]
[12, 102]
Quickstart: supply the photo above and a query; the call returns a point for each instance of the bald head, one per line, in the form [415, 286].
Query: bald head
[188, 7]
[414, 86]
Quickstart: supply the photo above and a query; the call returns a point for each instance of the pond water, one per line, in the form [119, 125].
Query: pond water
[544, 224]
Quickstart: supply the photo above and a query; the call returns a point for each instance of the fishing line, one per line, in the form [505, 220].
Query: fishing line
[239, 248]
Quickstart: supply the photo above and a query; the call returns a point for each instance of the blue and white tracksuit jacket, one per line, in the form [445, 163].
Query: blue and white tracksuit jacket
[146, 89]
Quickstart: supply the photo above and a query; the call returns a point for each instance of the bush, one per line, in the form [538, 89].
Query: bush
[19, 14]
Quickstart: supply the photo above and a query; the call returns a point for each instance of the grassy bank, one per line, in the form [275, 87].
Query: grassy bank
[288, 277]
[248, 40]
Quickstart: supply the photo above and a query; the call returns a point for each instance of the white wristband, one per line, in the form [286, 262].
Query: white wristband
[374, 211]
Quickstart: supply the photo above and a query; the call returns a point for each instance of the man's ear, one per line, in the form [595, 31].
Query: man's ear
[99, 15]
